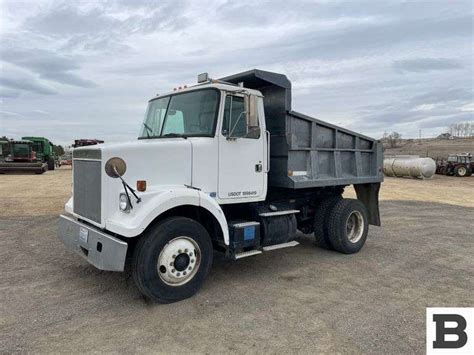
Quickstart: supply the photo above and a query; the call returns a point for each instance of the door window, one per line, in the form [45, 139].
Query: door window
[236, 119]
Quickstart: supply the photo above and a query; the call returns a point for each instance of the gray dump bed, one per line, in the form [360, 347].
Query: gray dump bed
[306, 152]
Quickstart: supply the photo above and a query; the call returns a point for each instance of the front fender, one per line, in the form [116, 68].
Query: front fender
[155, 203]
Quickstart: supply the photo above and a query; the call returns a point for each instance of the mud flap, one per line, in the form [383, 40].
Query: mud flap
[368, 194]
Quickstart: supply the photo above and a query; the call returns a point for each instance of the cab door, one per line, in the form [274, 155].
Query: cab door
[242, 170]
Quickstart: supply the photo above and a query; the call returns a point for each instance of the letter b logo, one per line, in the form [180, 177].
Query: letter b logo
[450, 330]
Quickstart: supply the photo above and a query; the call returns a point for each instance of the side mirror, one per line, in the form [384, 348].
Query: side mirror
[251, 105]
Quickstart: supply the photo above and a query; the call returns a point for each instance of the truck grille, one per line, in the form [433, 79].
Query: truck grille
[87, 189]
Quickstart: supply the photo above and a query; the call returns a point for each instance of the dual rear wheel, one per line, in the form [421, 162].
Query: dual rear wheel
[341, 224]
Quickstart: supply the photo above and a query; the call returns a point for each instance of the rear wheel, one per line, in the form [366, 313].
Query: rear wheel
[321, 220]
[348, 226]
[172, 259]
[460, 171]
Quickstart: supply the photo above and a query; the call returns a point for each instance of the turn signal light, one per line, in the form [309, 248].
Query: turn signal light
[141, 185]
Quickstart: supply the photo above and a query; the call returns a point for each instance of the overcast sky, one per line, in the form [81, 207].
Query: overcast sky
[73, 69]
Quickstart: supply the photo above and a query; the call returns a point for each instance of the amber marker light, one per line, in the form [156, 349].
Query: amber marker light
[141, 185]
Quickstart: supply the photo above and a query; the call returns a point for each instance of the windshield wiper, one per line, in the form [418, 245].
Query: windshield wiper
[148, 129]
[174, 135]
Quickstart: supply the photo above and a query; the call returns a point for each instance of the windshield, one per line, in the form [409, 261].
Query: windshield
[21, 150]
[190, 114]
[38, 147]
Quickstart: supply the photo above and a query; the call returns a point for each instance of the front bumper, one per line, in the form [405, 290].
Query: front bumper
[98, 248]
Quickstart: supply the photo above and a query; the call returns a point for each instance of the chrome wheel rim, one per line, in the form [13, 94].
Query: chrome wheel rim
[355, 226]
[179, 261]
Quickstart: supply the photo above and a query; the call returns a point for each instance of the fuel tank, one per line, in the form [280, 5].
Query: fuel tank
[409, 166]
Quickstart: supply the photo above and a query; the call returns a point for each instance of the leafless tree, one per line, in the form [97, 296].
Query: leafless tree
[462, 129]
[394, 139]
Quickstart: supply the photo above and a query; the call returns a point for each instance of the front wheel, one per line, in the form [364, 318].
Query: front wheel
[348, 226]
[172, 260]
[50, 163]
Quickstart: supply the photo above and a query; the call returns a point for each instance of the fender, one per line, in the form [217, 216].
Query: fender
[155, 203]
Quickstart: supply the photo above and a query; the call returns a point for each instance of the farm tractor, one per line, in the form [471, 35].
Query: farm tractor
[30, 154]
[456, 165]
[44, 150]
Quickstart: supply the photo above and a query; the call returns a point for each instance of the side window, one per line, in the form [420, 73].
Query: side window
[237, 123]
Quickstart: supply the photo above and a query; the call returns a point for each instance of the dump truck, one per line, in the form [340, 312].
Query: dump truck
[22, 158]
[44, 150]
[222, 166]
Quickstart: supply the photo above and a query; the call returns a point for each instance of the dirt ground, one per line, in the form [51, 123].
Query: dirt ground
[301, 299]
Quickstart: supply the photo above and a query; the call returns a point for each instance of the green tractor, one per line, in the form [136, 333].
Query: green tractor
[21, 158]
[44, 150]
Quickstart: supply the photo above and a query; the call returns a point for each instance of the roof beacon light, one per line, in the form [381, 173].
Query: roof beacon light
[203, 77]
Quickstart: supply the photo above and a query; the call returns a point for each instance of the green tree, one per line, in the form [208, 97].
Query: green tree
[58, 150]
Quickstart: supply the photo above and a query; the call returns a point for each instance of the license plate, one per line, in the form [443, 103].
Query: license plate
[83, 234]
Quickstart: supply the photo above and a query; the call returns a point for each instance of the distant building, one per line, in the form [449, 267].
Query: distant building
[445, 136]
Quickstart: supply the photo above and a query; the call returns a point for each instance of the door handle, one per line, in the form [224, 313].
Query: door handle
[258, 168]
[267, 134]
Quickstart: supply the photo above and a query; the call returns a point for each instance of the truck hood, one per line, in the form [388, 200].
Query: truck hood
[165, 161]
[161, 163]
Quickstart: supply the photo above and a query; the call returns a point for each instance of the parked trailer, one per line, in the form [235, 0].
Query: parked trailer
[227, 166]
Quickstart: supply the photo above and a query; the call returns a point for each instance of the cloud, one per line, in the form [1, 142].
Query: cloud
[421, 65]
[48, 65]
[104, 28]
[17, 80]
[369, 65]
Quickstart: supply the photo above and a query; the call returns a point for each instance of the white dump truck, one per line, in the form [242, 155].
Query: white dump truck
[224, 166]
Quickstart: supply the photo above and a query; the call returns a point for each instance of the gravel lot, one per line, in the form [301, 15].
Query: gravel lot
[300, 299]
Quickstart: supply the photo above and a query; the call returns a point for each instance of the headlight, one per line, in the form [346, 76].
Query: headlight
[124, 205]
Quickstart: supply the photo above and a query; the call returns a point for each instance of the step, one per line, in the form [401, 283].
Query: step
[278, 213]
[247, 253]
[293, 243]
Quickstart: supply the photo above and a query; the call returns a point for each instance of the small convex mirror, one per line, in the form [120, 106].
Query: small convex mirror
[115, 167]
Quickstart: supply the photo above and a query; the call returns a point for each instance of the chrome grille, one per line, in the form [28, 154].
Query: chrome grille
[87, 189]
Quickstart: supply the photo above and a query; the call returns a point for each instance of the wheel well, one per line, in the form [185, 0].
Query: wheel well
[199, 214]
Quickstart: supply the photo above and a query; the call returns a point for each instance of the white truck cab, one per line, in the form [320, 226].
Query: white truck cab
[201, 178]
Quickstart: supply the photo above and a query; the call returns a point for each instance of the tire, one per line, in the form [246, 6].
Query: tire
[50, 163]
[321, 220]
[460, 171]
[172, 282]
[344, 212]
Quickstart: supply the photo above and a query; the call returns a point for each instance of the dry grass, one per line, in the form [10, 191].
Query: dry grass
[46, 194]
[34, 195]
[440, 189]
[433, 148]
